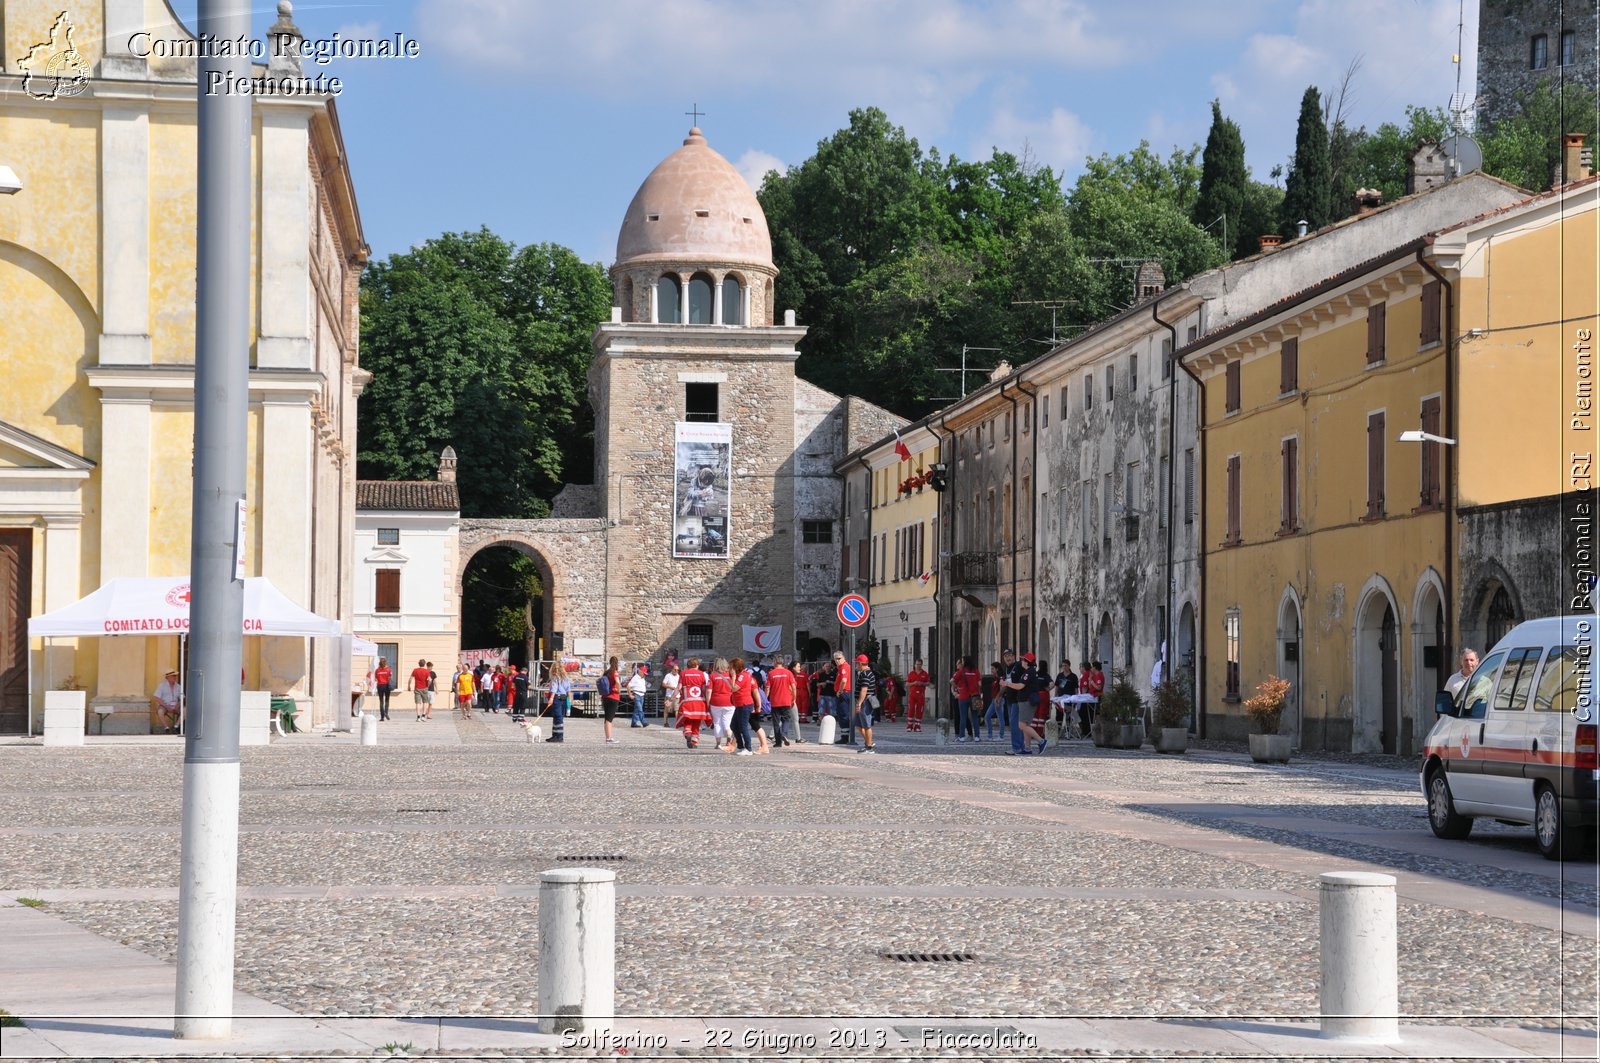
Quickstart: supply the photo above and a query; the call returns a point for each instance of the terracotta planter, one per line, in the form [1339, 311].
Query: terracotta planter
[1171, 740]
[1269, 749]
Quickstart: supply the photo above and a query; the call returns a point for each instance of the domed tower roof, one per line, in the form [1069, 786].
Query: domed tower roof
[694, 205]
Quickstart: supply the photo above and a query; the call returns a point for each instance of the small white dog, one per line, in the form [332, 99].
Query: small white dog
[534, 731]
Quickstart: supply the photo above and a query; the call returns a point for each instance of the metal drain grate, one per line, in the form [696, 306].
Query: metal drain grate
[591, 858]
[930, 957]
[422, 810]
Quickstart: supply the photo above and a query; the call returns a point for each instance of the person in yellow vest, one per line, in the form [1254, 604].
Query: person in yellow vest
[465, 688]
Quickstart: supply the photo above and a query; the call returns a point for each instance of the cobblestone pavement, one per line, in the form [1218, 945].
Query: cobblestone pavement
[402, 880]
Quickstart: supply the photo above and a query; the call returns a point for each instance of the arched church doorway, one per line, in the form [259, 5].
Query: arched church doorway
[505, 602]
[1289, 662]
[1102, 647]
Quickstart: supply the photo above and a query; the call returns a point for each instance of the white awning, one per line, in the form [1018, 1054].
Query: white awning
[160, 606]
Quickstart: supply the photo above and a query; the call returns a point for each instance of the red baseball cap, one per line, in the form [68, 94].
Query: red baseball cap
[1030, 658]
[861, 658]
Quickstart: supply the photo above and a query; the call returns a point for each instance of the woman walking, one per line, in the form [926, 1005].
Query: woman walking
[692, 711]
[383, 678]
[719, 697]
[994, 711]
[558, 694]
[743, 698]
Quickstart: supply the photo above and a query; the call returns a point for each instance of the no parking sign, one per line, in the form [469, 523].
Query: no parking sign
[853, 610]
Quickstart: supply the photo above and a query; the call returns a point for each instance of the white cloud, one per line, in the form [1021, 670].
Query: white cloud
[1405, 55]
[1059, 140]
[754, 166]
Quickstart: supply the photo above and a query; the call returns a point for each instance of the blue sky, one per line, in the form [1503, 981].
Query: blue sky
[539, 119]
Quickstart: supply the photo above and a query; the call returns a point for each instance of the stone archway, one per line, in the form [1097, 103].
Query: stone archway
[1375, 724]
[571, 556]
[1289, 661]
[1431, 658]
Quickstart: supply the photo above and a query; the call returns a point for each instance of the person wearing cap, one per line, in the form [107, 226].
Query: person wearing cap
[867, 685]
[637, 685]
[1017, 681]
[169, 700]
[843, 695]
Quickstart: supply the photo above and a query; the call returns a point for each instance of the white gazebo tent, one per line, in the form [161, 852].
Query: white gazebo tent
[160, 606]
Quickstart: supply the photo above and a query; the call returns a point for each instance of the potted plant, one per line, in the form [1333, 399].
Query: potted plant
[1122, 713]
[1170, 717]
[1265, 709]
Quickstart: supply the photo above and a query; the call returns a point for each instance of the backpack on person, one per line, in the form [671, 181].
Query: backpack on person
[603, 686]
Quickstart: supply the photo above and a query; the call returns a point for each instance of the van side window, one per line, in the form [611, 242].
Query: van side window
[1475, 699]
[1558, 685]
[1517, 679]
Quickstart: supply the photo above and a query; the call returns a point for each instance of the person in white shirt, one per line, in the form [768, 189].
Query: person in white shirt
[169, 701]
[1469, 664]
[637, 685]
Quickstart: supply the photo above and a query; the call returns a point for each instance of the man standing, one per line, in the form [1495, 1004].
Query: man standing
[780, 694]
[1066, 687]
[866, 700]
[843, 696]
[421, 686]
[169, 701]
[519, 693]
[1469, 664]
[1013, 688]
[637, 685]
[916, 695]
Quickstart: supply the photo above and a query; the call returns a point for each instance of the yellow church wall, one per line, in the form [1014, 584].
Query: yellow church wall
[1544, 276]
[171, 489]
[172, 237]
[48, 397]
[55, 152]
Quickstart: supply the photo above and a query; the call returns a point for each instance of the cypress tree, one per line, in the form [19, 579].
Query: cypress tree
[1309, 189]
[1224, 183]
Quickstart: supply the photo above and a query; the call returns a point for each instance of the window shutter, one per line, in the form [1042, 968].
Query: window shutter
[1430, 313]
[864, 561]
[1233, 500]
[1290, 372]
[387, 599]
[1375, 466]
[1377, 316]
[1188, 486]
[1430, 453]
[844, 565]
[899, 554]
[1289, 449]
[1233, 387]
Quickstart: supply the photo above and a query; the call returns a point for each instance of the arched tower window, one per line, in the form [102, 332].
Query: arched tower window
[732, 301]
[667, 300]
[626, 298]
[700, 296]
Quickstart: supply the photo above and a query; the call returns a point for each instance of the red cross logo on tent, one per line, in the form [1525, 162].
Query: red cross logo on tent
[178, 595]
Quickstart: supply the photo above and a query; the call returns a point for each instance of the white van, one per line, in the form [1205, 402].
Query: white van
[1518, 744]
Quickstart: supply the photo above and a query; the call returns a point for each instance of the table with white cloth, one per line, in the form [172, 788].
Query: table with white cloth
[1075, 700]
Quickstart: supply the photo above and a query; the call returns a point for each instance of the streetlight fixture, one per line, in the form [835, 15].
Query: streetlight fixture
[1418, 436]
[10, 183]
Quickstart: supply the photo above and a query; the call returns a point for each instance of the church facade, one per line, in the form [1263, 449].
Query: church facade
[715, 505]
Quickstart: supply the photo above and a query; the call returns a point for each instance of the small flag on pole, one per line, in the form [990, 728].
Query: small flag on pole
[900, 449]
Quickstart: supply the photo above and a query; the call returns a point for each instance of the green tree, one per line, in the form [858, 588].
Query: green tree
[1224, 185]
[475, 344]
[1525, 146]
[1309, 185]
[499, 591]
[1381, 159]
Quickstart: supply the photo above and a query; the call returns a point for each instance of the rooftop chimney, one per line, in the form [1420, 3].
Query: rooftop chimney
[1368, 200]
[1572, 164]
[1428, 168]
[1150, 280]
[447, 466]
[1269, 242]
[1300, 229]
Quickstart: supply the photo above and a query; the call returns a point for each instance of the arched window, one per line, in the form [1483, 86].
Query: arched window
[1502, 617]
[626, 298]
[700, 299]
[668, 300]
[732, 301]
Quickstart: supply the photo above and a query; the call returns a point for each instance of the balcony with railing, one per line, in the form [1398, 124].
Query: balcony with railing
[975, 576]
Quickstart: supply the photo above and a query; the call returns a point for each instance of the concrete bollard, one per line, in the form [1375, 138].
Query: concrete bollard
[943, 737]
[577, 948]
[369, 729]
[1360, 974]
[827, 731]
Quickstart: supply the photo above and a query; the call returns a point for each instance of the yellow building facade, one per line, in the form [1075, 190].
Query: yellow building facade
[1355, 562]
[1322, 562]
[904, 539]
[97, 272]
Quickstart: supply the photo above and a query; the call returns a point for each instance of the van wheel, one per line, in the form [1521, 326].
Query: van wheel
[1442, 815]
[1550, 828]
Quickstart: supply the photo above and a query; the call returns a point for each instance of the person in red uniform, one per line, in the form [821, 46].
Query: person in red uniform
[781, 689]
[966, 686]
[916, 695]
[802, 698]
[843, 697]
[890, 686]
[743, 698]
[719, 694]
[692, 710]
[383, 678]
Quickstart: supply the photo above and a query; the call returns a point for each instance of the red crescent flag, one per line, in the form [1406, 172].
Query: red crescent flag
[900, 448]
[763, 640]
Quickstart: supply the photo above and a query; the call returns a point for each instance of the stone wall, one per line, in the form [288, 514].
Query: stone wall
[1506, 29]
[1524, 547]
[571, 555]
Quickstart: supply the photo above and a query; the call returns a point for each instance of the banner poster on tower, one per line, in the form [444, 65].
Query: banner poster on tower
[703, 473]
